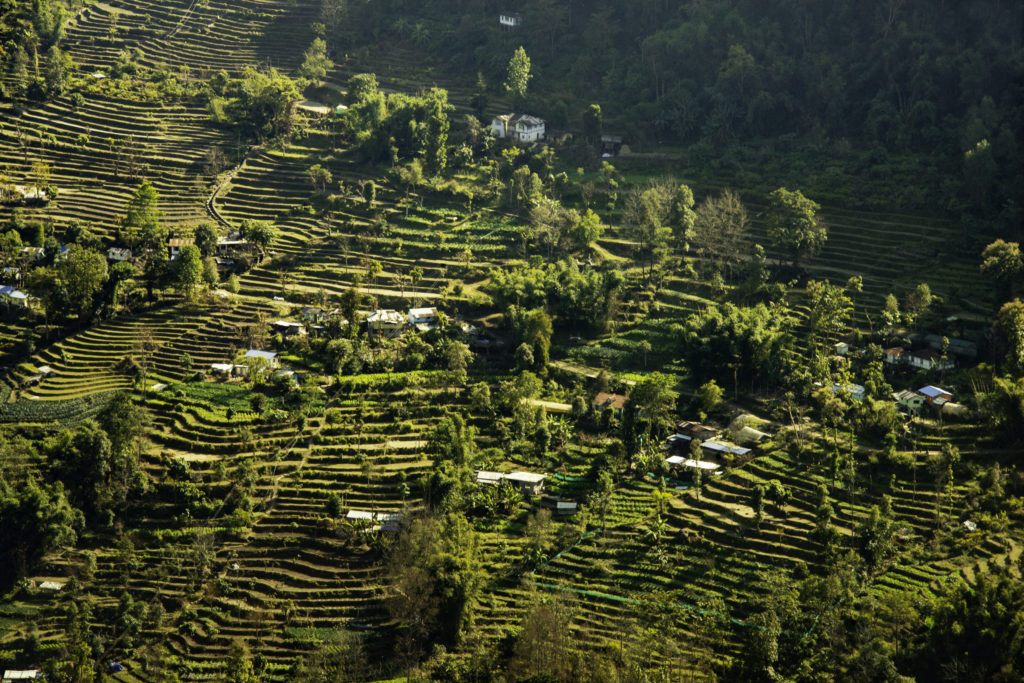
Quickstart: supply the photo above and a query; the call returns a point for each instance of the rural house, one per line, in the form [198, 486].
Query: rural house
[288, 328]
[510, 21]
[269, 356]
[909, 401]
[933, 394]
[175, 245]
[423, 319]
[118, 254]
[687, 466]
[924, 359]
[527, 482]
[385, 322]
[520, 128]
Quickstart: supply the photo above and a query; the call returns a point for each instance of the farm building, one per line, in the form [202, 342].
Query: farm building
[611, 145]
[176, 244]
[520, 128]
[233, 247]
[696, 430]
[613, 402]
[718, 448]
[422, 319]
[489, 478]
[510, 21]
[53, 586]
[288, 328]
[750, 435]
[560, 506]
[527, 482]
[13, 297]
[21, 674]
[924, 359]
[385, 322]
[932, 394]
[118, 254]
[689, 465]
[269, 356]
[910, 401]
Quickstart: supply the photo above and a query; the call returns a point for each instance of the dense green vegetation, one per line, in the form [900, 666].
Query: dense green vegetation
[236, 444]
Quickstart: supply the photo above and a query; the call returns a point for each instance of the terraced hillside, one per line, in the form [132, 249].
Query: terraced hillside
[261, 524]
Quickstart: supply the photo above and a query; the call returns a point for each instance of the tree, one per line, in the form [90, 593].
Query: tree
[206, 237]
[1009, 324]
[189, 269]
[720, 229]
[518, 74]
[831, 308]
[917, 303]
[83, 273]
[142, 218]
[648, 411]
[585, 231]
[891, 315]
[537, 333]
[793, 223]
[319, 177]
[757, 503]
[708, 397]
[592, 124]
[34, 519]
[260, 233]
[1002, 261]
[315, 62]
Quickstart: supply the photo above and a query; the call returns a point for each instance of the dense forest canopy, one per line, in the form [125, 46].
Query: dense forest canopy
[941, 80]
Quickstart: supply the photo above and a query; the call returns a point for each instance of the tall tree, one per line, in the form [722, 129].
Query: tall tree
[142, 218]
[190, 270]
[315, 63]
[83, 273]
[518, 75]
[794, 225]
[720, 229]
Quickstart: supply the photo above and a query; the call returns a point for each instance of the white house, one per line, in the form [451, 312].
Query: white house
[521, 128]
[925, 359]
[269, 356]
[423, 319]
[118, 254]
[510, 21]
[175, 245]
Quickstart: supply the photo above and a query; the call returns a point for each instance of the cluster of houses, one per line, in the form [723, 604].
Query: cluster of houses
[911, 402]
[389, 323]
[229, 249]
[938, 399]
[530, 484]
[712, 445]
[242, 369]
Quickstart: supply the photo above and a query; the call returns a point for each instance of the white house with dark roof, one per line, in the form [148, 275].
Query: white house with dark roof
[521, 128]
